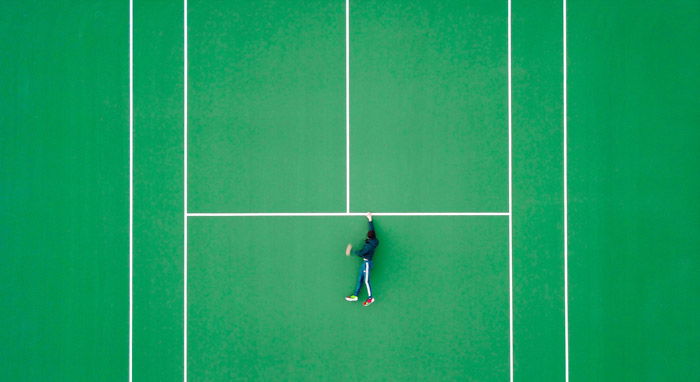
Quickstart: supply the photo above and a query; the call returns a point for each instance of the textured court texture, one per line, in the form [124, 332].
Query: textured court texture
[267, 132]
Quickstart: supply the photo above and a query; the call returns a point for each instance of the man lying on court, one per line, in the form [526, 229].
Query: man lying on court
[366, 254]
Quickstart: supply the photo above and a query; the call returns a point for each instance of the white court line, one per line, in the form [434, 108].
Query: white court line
[347, 106]
[131, 188]
[185, 85]
[272, 214]
[566, 205]
[510, 197]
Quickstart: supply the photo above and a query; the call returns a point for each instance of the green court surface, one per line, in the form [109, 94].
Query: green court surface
[266, 300]
[578, 267]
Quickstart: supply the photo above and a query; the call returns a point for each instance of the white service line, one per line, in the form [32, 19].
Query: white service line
[185, 85]
[566, 204]
[269, 214]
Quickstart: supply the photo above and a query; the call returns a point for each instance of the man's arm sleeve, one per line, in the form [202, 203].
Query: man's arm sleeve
[363, 251]
[371, 226]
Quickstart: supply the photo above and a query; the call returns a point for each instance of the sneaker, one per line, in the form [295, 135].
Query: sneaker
[351, 298]
[369, 301]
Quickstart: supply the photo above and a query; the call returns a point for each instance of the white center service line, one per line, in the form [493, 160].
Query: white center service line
[347, 106]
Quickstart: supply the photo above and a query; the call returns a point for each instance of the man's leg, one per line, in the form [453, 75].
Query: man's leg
[370, 299]
[367, 283]
[360, 277]
[358, 285]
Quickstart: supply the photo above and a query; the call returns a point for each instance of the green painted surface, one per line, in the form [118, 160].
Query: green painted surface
[64, 191]
[267, 133]
[266, 300]
[158, 197]
[429, 128]
[635, 217]
[538, 199]
[267, 106]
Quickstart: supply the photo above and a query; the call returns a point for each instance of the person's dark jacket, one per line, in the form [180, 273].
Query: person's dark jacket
[370, 246]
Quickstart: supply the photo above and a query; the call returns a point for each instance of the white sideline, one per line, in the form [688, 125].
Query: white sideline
[566, 205]
[185, 85]
[270, 214]
[511, 354]
[131, 188]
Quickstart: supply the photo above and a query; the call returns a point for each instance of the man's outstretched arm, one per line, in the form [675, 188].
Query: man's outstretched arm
[365, 249]
[358, 252]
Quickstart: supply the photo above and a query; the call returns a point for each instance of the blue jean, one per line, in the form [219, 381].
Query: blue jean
[363, 275]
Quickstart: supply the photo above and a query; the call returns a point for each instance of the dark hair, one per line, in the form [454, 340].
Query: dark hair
[371, 235]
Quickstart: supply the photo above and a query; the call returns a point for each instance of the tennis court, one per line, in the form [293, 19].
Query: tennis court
[180, 180]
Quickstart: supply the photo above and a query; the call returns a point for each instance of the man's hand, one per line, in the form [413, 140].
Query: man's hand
[348, 249]
[369, 216]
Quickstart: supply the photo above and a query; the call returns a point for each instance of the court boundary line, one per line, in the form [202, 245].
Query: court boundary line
[131, 189]
[566, 195]
[511, 339]
[185, 86]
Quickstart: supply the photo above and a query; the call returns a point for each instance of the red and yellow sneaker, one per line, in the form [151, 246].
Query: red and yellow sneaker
[368, 301]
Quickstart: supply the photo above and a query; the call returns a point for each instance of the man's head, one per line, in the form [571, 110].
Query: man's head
[371, 235]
